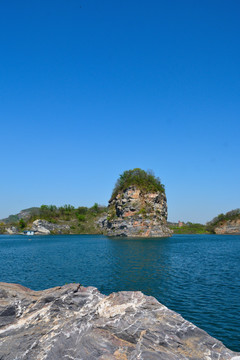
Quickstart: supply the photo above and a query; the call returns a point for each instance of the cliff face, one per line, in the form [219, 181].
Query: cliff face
[230, 227]
[134, 213]
[73, 322]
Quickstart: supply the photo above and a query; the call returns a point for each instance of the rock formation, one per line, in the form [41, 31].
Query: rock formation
[43, 227]
[74, 322]
[138, 206]
[12, 230]
[226, 224]
[135, 213]
[229, 227]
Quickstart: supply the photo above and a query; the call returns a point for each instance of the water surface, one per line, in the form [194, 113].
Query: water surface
[196, 275]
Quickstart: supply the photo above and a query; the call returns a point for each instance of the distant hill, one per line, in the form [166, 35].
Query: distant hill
[25, 214]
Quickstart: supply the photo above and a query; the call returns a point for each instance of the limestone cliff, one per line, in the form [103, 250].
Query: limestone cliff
[136, 213]
[74, 322]
[228, 224]
[229, 227]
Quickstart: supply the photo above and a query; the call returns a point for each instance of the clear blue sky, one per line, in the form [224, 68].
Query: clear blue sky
[91, 88]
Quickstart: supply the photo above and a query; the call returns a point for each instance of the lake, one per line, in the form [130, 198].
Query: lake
[196, 275]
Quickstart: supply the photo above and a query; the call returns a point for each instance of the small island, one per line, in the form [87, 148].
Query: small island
[138, 206]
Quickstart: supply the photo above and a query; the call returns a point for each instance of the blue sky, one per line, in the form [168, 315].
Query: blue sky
[91, 88]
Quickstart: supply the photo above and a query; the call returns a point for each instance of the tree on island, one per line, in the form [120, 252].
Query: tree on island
[144, 180]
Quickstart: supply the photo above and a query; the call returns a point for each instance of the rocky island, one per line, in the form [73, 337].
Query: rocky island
[76, 322]
[138, 207]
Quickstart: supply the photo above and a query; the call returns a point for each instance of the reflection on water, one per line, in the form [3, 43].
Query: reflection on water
[195, 275]
[137, 263]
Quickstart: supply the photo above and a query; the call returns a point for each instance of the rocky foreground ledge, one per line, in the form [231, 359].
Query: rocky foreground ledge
[73, 322]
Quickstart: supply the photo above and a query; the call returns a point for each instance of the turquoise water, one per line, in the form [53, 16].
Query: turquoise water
[196, 275]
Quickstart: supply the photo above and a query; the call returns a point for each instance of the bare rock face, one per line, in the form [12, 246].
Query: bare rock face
[137, 214]
[230, 227]
[74, 322]
[43, 227]
[12, 230]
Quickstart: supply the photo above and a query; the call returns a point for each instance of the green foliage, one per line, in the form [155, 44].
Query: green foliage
[189, 228]
[142, 211]
[12, 219]
[82, 210]
[2, 228]
[144, 180]
[81, 217]
[68, 209]
[96, 208]
[82, 220]
[22, 224]
[52, 212]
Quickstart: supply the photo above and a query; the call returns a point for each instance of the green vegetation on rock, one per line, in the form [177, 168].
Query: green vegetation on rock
[22, 224]
[144, 180]
[82, 220]
[2, 228]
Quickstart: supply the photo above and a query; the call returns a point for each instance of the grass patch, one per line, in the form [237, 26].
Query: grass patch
[189, 228]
